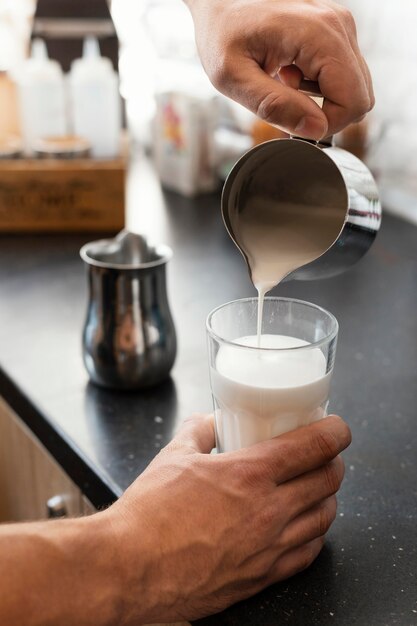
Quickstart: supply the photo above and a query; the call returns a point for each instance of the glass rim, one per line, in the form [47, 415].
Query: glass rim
[317, 344]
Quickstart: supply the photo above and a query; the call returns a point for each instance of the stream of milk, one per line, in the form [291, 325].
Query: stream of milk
[275, 248]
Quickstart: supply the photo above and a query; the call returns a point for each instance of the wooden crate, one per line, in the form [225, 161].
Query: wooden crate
[80, 195]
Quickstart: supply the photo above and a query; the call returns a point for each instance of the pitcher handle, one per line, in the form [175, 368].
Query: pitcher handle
[312, 89]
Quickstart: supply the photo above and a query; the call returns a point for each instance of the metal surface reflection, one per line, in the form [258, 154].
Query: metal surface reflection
[129, 339]
[313, 178]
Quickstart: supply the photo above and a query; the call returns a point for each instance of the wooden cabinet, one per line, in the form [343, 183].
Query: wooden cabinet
[87, 507]
[29, 475]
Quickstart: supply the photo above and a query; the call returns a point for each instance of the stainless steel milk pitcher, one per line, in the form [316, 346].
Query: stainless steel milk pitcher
[314, 175]
[129, 339]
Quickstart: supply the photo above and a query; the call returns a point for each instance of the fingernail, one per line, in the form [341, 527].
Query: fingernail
[311, 127]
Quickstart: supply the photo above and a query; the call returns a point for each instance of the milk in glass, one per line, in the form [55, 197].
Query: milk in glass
[263, 393]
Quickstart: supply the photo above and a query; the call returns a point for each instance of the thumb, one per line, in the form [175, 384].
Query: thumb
[276, 102]
[196, 434]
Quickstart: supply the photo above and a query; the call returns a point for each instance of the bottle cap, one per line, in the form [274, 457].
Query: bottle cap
[39, 51]
[91, 63]
[91, 48]
[39, 66]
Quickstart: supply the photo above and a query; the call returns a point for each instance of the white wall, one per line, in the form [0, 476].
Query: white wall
[387, 31]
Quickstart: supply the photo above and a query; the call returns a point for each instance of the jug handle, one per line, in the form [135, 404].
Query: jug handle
[312, 89]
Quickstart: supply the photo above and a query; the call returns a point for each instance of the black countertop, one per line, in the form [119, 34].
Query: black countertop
[367, 573]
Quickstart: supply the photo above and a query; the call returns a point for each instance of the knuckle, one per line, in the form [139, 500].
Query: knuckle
[332, 505]
[324, 521]
[267, 517]
[193, 418]
[347, 17]
[259, 574]
[270, 107]
[372, 102]
[253, 469]
[331, 17]
[364, 105]
[327, 444]
[172, 446]
[360, 119]
[333, 476]
[246, 472]
[180, 446]
[340, 467]
[221, 71]
[309, 553]
[326, 516]
[346, 435]
[307, 557]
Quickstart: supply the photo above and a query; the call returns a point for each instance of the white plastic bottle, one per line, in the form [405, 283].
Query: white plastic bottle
[41, 96]
[95, 104]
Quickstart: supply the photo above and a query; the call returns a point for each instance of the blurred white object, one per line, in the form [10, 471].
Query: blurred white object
[95, 104]
[230, 145]
[157, 54]
[386, 32]
[15, 25]
[184, 142]
[137, 58]
[400, 198]
[41, 96]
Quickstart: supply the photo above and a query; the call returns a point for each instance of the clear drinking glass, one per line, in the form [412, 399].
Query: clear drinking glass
[262, 392]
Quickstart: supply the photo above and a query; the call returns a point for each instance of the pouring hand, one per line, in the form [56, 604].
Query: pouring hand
[257, 51]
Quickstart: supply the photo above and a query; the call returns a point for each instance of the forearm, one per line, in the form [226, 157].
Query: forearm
[63, 572]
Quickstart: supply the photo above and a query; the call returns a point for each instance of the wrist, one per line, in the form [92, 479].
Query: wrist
[98, 570]
[66, 569]
[132, 595]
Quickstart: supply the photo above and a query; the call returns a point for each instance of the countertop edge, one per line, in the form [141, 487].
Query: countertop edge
[96, 488]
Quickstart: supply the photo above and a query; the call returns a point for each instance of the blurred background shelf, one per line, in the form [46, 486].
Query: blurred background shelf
[80, 195]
